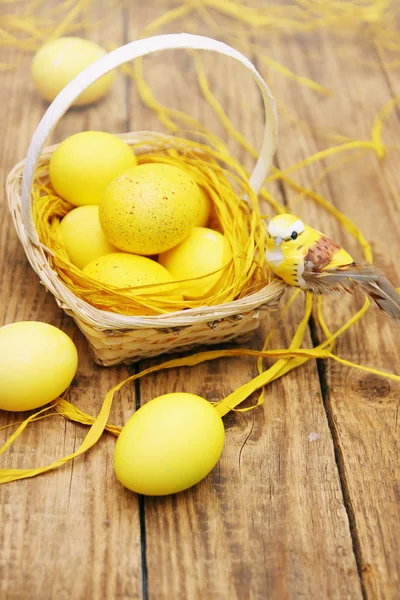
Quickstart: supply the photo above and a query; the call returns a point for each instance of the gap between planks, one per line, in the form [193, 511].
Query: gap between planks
[322, 378]
[354, 514]
[136, 367]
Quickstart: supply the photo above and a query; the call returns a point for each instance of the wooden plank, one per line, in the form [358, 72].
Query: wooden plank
[72, 533]
[362, 408]
[273, 508]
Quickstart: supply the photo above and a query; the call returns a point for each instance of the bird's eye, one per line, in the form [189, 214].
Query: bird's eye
[294, 235]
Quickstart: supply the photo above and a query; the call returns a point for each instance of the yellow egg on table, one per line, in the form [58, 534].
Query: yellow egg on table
[59, 61]
[202, 252]
[205, 210]
[150, 208]
[37, 364]
[129, 270]
[83, 237]
[85, 163]
[170, 444]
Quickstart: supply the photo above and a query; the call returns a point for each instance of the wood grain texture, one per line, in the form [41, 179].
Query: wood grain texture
[306, 493]
[273, 508]
[362, 408]
[73, 533]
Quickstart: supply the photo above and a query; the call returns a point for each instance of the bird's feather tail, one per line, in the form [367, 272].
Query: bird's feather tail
[366, 277]
[384, 294]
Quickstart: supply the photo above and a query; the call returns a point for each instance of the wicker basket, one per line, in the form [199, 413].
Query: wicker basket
[116, 338]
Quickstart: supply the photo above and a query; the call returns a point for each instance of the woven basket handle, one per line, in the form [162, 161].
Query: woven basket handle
[118, 57]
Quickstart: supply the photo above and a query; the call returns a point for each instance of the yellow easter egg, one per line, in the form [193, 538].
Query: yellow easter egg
[83, 237]
[168, 445]
[122, 270]
[205, 210]
[85, 163]
[59, 61]
[150, 208]
[37, 364]
[202, 252]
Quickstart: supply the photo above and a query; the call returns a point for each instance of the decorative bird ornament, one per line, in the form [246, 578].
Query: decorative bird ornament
[306, 258]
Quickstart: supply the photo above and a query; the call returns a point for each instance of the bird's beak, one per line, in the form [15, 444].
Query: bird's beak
[278, 241]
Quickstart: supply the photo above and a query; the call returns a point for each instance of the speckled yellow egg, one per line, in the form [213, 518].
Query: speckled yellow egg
[37, 364]
[59, 61]
[83, 237]
[123, 270]
[205, 210]
[201, 253]
[170, 444]
[150, 208]
[84, 164]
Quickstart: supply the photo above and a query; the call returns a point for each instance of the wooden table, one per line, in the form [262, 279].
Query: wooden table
[305, 499]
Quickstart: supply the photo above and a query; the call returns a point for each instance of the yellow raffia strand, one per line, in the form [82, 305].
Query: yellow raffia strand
[36, 418]
[174, 120]
[73, 413]
[276, 205]
[243, 43]
[280, 368]
[321, 318]
[215, 105]
[345, 221]
[93, 435]
[317, 87]
[307, 16]
[80, 9]
[376, 132]
[229, 128]
[334, 166]
[168, 116]
[28, 28]
[168, 17]
[7, 67]
[282, 313]
[285, 112]
[21, 428]
[354, 145]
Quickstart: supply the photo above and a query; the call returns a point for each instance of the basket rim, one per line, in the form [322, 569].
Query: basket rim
[102, 320]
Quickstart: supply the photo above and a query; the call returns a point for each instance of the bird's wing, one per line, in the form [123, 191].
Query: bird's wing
[350, 277]
[330, 280]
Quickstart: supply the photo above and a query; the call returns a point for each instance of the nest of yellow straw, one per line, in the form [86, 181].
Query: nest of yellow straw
[123, 325]
[238, 220]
